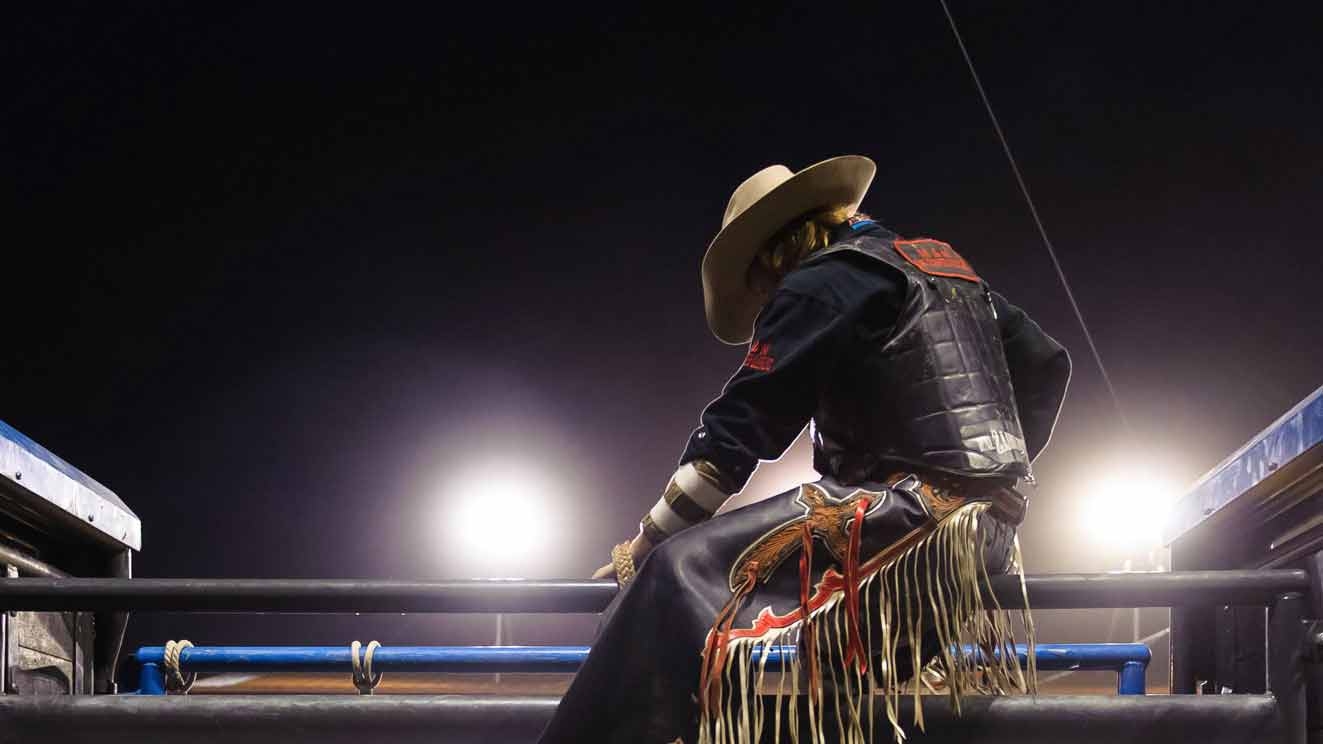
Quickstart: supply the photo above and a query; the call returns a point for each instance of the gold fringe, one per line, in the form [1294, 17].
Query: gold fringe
[953, 587]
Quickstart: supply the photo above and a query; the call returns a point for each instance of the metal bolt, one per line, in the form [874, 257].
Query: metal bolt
[18, 475]
[91, 517]
[1313, 651]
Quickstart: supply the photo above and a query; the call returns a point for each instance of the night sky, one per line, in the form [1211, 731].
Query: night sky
[293, 280]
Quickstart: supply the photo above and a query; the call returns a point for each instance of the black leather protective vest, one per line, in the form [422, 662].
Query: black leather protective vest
[935, 393]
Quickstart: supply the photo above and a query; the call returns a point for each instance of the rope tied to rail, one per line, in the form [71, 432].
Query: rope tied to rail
[622, 559]
[365, 679]
[175, 681]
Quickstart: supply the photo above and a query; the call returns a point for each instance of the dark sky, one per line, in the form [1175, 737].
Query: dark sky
[284, 277]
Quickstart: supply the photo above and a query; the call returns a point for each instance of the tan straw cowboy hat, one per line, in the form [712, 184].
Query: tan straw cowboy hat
[761, 206]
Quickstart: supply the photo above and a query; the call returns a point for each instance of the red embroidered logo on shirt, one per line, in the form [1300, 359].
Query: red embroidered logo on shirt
[759, 356]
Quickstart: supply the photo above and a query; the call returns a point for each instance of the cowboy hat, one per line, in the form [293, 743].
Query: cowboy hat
[766, 202]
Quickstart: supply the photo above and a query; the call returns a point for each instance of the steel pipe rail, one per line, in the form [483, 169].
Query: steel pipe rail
[404, 719]
[1129, 660]
[27, 565]
[308, 595]
[536, 659]
[1152, 589]
[443, 659]
[1046, 591]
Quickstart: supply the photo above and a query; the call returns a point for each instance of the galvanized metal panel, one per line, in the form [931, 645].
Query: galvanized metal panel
[37, 673]
[35, 475]
[49, 652]
[1295, 434]
[50, 633]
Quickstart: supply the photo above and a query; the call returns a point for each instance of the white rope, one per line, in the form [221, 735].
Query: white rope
[365, 679]
[175, 680]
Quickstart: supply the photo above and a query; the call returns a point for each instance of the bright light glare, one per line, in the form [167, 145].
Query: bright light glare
[500, 518]
[1128, 512]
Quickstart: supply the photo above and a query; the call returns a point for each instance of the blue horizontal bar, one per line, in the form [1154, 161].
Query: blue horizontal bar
[1060, 657]
[513, 659]
[536, 659]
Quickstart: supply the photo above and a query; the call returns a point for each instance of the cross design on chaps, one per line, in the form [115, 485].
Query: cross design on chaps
[828, 517]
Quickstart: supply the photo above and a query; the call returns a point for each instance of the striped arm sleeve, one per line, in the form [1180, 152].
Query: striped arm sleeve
[693, 495]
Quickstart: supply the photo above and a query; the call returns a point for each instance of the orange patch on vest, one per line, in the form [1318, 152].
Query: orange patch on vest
[936, 258]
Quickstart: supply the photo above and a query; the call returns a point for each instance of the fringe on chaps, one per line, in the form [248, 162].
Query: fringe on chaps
[944, 570]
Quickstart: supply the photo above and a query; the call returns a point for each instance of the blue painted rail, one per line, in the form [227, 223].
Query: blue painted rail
[1128, 660]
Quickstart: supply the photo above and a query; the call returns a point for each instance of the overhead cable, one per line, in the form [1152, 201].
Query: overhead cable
[1033, 211]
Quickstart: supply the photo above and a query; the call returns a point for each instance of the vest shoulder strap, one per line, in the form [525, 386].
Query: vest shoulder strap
[926, 255]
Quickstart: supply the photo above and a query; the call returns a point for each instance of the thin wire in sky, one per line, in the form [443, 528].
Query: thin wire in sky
[1033, 210]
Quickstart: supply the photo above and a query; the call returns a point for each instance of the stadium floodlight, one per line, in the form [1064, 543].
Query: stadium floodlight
[500, 517]
[1127, 512]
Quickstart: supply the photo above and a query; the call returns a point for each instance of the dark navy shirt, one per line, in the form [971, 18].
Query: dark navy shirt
[800, 333]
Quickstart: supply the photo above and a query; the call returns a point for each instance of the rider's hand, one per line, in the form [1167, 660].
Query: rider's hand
[639, 548]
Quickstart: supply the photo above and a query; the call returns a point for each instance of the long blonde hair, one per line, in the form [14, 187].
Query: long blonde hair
[799, 239]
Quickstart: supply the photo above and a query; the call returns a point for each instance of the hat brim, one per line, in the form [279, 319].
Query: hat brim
[731, 305]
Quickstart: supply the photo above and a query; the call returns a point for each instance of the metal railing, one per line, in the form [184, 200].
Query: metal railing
[1129, 660]
[1047, 591]
[1277, 717]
